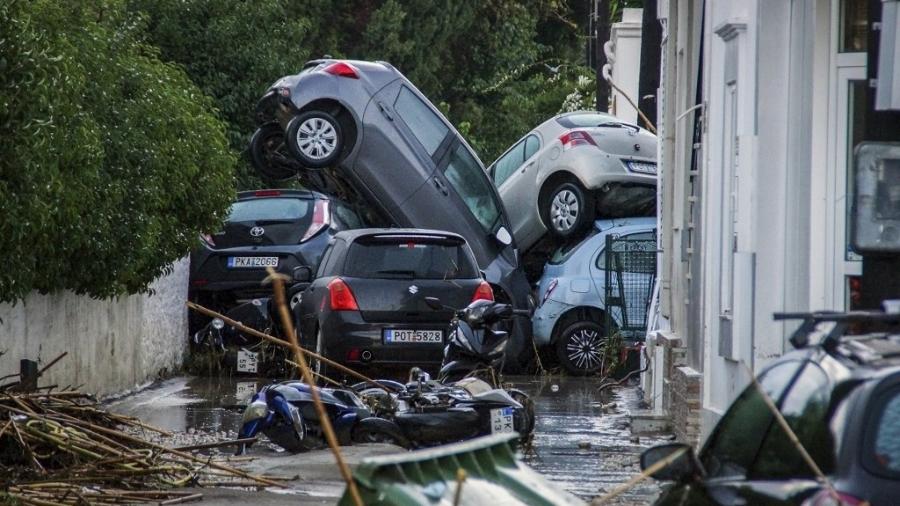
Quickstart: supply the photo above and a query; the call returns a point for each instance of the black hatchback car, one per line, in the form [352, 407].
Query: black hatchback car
[367, 306]
[841, 398]
[284, 229]
[362, 131]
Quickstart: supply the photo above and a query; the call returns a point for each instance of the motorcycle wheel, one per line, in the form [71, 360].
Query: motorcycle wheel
[378, 430]
[292, 436]
[266, 153]
[528, 417]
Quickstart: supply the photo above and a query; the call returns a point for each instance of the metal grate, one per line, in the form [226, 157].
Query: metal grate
[630, 266]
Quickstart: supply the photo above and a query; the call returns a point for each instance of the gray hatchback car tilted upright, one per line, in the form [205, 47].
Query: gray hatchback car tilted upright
[363, 132]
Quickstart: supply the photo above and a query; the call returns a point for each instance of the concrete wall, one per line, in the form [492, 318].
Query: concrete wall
[114, 345]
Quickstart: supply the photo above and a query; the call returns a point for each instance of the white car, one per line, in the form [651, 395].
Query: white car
[572, 169]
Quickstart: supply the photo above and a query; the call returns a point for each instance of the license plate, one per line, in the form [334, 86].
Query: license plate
[252, 262]
[413, 336]
[501, 420]
[244, 390]
[246, 361]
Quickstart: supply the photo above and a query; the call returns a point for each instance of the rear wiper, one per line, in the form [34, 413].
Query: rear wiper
[615, 124]
[398, 272]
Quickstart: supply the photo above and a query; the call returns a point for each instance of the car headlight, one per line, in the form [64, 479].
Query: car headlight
[255, 410]
[641, 167]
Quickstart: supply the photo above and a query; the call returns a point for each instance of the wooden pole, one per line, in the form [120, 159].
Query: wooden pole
[324, 419]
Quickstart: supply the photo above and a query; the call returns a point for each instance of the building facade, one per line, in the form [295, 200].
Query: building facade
[760, 106]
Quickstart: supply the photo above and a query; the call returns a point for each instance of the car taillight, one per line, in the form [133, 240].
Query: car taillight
[342, 69]
[341, 297]
[550, 289]
[267, 193]
[483, 292]
[208, 239]
[574, 138]
[321, 219]
[825, 498]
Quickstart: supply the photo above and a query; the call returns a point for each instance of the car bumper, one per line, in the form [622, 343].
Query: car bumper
[210, 271]
[544, 320]
[355, 343]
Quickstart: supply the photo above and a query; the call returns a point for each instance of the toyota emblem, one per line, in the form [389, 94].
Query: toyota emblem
[413, 289]
[257, 232]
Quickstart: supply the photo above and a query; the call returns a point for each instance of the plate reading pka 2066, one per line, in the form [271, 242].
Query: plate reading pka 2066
[252, 262]
[392, 336]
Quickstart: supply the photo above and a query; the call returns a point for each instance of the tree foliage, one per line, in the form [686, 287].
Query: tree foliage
[111, 161]
[497, 68]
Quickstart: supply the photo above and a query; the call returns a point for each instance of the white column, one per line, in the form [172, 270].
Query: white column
[625, 37]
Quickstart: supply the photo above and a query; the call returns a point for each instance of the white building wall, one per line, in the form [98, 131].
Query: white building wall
[113, 345]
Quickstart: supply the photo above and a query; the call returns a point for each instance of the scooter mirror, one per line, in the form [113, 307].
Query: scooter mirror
[434, 303]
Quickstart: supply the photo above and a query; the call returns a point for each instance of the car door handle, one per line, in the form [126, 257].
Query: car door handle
[526, 166]
[440, 186]
[384, 110]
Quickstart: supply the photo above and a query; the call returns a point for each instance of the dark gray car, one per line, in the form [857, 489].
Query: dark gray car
[361, 131]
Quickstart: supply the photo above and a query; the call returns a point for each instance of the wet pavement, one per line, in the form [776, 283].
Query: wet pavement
[582, 439]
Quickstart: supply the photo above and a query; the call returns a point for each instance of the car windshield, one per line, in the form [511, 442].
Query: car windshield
[409, 258]
[269, 209]
[749, 443]
[586, 119]
[470, 181]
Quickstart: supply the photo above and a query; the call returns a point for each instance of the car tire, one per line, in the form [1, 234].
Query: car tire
[267, 153]
[567, 209]
[580, 348]
[315, 138]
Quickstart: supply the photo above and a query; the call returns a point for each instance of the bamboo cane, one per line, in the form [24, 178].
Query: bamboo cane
[324, 420]
[621, 489]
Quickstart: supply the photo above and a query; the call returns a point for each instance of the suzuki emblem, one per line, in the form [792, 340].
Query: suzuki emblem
[257, 231]
[413, 289]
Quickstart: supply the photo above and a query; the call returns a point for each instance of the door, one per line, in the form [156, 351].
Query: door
[515, 176]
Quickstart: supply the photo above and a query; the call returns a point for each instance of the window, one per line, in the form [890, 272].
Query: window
[735, 441]
[409, 258]
[277, 209]
[587, 119]
[508, 163]
[532, 145]
[887, 436]
[854, 26]
[345, 218]
[641, 258]
[805, 409]
[425, 125]
[564, 253]
[470, 181]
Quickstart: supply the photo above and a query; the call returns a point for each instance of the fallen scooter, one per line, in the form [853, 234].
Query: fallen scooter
[284, 412]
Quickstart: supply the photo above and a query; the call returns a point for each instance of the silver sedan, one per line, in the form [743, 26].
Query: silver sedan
[574, 168]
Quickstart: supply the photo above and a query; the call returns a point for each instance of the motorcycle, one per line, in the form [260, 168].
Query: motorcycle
[475, 345]
[285, 413]
[431, 413]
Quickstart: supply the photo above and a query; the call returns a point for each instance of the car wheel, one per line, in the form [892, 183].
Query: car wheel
[567, 210]
[267, 153]
[580, 348]
[315, 139]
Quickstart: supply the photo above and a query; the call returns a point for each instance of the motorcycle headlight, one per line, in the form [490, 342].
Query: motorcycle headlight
[218, 324]
[255, 410]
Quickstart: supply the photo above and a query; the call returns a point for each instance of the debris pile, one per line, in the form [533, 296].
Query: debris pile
[62, 448]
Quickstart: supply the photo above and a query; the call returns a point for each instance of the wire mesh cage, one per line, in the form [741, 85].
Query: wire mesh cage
[630, 271]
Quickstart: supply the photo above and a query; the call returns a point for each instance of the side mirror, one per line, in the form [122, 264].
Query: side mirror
[434, 303]
[302, 274]
[503, 236]
[675, 462]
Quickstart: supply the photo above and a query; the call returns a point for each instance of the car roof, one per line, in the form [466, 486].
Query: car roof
[637, 223]
[280, 193]
[356, 234]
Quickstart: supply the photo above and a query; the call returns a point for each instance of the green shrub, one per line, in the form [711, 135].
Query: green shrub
[111, 161]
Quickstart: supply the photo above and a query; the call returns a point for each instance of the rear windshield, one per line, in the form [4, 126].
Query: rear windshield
[588, 119]
[409, 259]
[271, 209]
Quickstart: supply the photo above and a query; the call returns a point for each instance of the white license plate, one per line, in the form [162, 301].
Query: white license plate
[246, 361]
[501, 420]
[252, 262]
[413, 336]
[244, 390]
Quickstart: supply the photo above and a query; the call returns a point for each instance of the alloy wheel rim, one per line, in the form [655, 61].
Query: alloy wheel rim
[316, 138]
[564, 210]
[584, 349]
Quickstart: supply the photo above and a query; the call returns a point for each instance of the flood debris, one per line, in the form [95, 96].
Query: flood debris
[63, 448]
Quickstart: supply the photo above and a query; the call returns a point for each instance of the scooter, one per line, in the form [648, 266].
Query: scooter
[475, 344]
[430, 413]
[285, 413]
